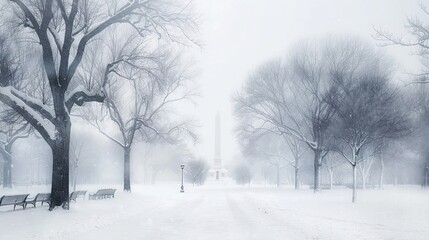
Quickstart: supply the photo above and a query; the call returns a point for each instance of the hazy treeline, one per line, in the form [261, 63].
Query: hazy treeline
[338, 101]
[332, 95]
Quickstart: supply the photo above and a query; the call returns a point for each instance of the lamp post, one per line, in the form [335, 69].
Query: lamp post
[182, 188]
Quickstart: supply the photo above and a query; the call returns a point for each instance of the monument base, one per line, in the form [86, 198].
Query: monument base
[217, 174]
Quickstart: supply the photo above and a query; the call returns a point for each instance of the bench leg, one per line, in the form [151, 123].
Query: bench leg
[66, 205]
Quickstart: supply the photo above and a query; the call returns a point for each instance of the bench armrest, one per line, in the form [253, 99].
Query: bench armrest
[30, 199]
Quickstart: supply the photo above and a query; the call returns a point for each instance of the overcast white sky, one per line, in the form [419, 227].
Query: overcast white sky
[239, 35]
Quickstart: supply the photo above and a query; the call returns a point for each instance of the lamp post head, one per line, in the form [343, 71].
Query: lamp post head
[182, 166]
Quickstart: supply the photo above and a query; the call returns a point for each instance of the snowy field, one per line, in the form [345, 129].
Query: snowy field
[226, 212]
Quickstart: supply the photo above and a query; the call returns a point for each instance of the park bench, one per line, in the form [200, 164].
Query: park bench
[14, 200]
[77, 194]
[103, 193]
[41, 197]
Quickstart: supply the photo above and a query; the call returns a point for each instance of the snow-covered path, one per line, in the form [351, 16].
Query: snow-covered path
[215, 212]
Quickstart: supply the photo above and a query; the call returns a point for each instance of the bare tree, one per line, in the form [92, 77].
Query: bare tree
[12, 128]
[265, 171]
[417, 40]
[312, 84]
[64, 29]
[277, 154]
[297, 150]
[196, 170]
[367, 107]
[76, 147]
[242, 173]
[365, 167]
[289, 99]
[332, 161]
[270, 149]
[141, 107]
[418, 101]
[12, 125]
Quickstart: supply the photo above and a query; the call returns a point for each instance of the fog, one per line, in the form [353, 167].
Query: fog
[233, 42]
[243, 110]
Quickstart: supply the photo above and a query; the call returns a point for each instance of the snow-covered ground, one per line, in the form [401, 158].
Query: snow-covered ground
[226, 212]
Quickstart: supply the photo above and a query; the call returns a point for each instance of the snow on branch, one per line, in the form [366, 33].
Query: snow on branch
[80, 95]
[36, 117]
[34, 103]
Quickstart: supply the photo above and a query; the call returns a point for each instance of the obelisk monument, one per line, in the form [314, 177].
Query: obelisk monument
[217, 172]
[217, 159]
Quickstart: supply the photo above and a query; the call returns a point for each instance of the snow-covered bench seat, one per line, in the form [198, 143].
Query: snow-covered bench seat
[14, 200]
[41, 197]
[77, 194]
[103, 193]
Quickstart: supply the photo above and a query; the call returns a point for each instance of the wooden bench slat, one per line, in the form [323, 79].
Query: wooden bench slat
[103, 193]
[14, 200]
[41, 197]
[76, 194]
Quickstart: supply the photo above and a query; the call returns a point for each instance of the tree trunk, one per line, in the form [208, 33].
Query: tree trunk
[426, 177]
[296, 173]
[354, 183]
[331, 178]
[60, 166]
[296, 178]
[278, 176]
[380, 183]
[7, 168]
[265, 181]
[127, 168]
[362, 172]
[317, 156]
[395, 180]
[154, 175]
[74, 178]
[145, 174]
